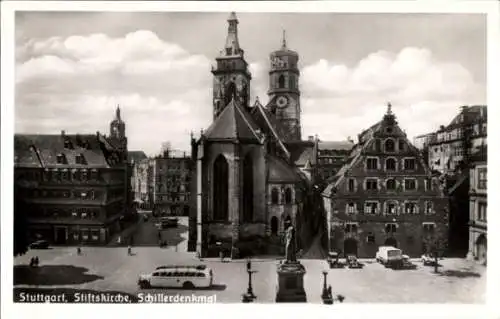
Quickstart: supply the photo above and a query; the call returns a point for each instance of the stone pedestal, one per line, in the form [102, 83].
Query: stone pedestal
[291, 282]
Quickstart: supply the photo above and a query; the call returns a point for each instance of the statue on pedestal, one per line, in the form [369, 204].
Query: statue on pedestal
[290, 248]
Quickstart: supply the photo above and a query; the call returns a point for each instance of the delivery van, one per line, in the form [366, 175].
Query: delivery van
[389, 256]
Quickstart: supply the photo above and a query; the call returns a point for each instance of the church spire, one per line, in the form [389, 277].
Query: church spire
[232, 44]
[283, 44]
[118, 116]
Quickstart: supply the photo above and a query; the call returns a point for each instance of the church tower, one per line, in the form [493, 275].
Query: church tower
[284, 93]
[117, 134]
[231, 74]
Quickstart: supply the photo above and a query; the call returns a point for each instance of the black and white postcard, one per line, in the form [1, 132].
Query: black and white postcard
[327, 155]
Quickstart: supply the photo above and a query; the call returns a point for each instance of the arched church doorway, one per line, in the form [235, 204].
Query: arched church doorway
[274, 225]
[481, 248]
[391, 241]
[221, 185]
[248, 189]
[350, 247]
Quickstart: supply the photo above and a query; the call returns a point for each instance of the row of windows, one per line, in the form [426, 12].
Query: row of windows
[285, 198]
[390, 208]
[76, 213]
[372, 163]
[74, 194]
[390, 228]
[407, 184]
[85, 234]
[73, 175]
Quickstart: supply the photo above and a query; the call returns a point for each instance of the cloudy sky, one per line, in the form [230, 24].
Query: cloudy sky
[72, 69]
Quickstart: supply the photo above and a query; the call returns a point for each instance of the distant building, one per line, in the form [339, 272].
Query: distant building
[422, 141]
[74, 188]
[331, 156]
[169, 178]
[453, 144]
[385, 195]
[138, 162]
[478, 206]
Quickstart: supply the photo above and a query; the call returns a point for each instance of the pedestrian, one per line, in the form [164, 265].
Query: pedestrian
[129, 250]
[119, 240]
[330, 291]
[78, 251]
[37, 261]
[221, 255]
[32, 262]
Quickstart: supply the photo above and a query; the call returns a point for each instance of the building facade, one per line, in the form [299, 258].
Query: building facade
[138, 161]
[169, 183]
[73, 188]
[331, 156]
[253, 172]
[478, 206]
[385, 195]
[451, 146]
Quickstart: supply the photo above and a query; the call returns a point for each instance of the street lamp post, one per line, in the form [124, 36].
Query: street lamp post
[249, 296]
[325, 296]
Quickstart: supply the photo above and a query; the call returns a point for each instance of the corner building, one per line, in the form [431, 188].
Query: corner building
[252, 168]
[385, 195]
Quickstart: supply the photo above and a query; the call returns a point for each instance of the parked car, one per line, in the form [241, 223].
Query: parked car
[427, 260]
[166, 222]
[333, 260]
[389, 256]
[407, 264]
[39, 244]
[177, 276]
[352, 262]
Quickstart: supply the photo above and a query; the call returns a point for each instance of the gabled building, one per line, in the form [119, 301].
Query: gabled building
[253, 171]
[385, 195]
[73, 188]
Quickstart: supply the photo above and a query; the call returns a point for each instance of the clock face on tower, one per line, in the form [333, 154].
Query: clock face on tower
[282, 101]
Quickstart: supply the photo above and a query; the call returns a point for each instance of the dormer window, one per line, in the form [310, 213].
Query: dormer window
[68, 144]
[80, 159]
[61, 159]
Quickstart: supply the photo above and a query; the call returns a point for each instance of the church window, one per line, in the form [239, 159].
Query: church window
[281, 81]
[220, 194]
[247, 189]
[274, 195]
[288, 196]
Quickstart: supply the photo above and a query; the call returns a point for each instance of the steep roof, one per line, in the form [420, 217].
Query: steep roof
[474, 114]
[234, 123]
[136, 156]
[269, 125]
[42, 150]
[335, 145]
[281, 172]
[301, 152]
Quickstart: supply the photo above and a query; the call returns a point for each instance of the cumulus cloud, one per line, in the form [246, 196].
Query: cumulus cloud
[164, 91]
[340, 101]
[75, 83]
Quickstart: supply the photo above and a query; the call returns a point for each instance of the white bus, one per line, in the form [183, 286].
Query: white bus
[178, 276]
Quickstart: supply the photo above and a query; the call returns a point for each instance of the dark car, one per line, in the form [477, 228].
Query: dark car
[407, 264]
[39, 244]
[169, 222]
[352, 262]
[333, 260]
